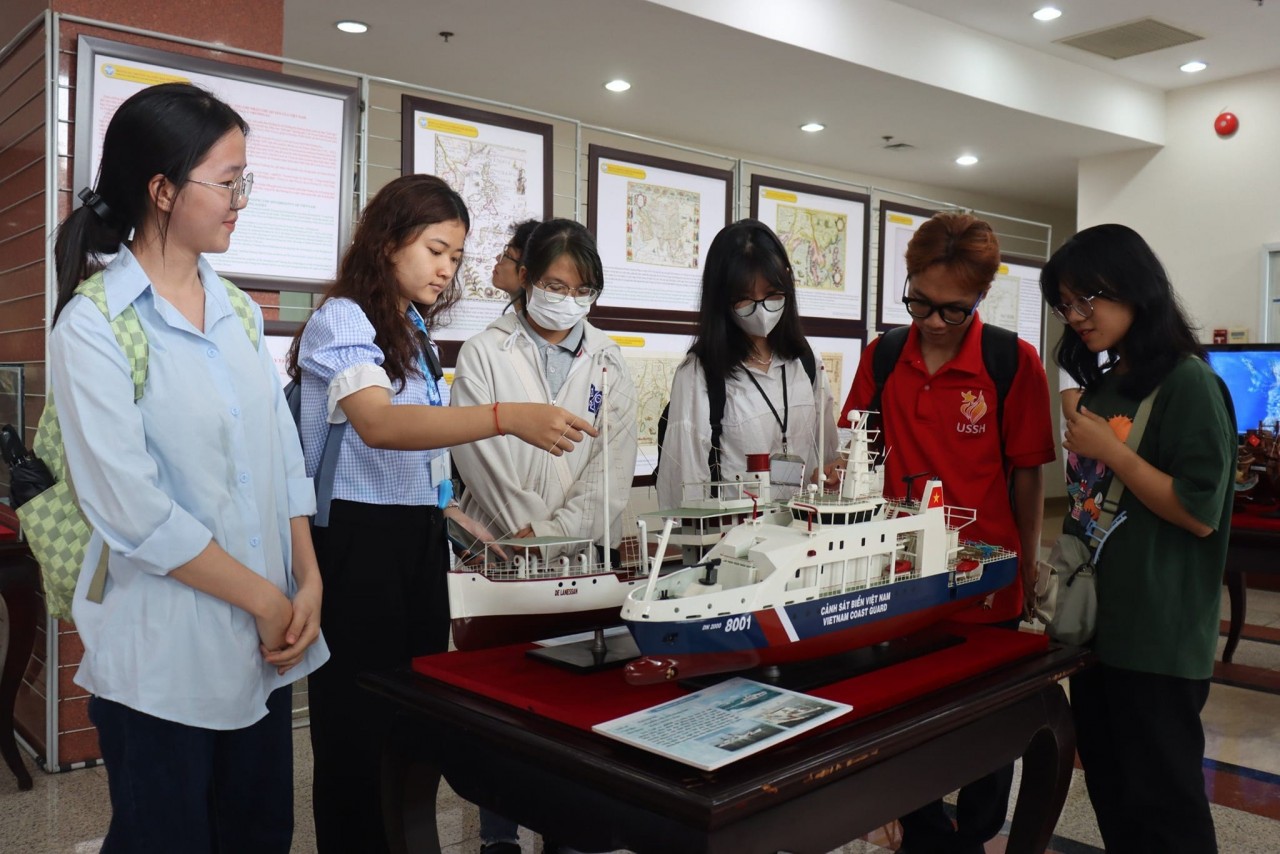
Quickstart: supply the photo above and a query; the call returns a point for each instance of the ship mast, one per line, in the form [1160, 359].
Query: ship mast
[604, 437]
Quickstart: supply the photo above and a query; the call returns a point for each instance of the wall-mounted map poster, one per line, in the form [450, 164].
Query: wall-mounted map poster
[825, 233]
[840, 357]
[301, 151]
[897, 225]
[653, 220]
[652, 359]
[501, 166]
[1014, 300]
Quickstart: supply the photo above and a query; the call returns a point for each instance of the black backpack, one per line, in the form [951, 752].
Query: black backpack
[715, 399]
[999, 356]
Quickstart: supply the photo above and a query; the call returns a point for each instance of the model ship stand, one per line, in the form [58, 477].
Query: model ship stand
[835, 572]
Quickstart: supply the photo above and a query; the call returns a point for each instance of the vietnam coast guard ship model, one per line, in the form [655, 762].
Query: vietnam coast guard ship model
[833, 572]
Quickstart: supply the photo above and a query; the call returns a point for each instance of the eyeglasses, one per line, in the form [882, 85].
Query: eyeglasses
[505, 255]
[1082, 306]
[240, 188]
[558, 291]
[770, 302]
[951, 314]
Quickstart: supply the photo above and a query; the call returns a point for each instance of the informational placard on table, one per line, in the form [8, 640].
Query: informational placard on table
[654, 220]
[501, 166]
[824, 232]
[300, 150]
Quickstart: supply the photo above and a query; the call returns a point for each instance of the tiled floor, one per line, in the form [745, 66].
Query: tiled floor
[68, 813]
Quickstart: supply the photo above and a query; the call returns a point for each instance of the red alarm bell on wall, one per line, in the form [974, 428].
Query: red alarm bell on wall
[1226, 124]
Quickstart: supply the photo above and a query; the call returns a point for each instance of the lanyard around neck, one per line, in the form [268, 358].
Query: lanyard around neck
[427, 361]
[786, 410]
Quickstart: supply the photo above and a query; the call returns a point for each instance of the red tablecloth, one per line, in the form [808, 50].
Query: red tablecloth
[583, 700]
[1254, 517]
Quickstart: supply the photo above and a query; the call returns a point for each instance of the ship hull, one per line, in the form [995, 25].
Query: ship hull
[489, 613]
[804, 630]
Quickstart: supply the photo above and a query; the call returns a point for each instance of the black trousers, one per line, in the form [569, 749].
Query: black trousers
[175, 787]
[1142, 747]
[385, 601]
[980, 811]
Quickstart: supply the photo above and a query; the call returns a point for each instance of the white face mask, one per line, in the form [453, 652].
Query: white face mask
[759, 322]
[555, 317]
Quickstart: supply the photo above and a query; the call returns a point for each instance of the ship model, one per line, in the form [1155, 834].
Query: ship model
[829, 573]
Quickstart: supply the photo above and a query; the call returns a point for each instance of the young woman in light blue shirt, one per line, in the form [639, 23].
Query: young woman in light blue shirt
[197, 491]
[366, 358]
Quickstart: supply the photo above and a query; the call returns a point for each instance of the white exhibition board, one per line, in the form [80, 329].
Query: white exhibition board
[299, 145]
[499, 168]
[824, 236]
[653, 227]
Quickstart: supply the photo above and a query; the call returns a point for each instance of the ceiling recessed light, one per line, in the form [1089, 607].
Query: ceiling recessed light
[1048, 13]
[352, 26]
[617, 85]
[1193, 66]
[966, 160]
[812, 127]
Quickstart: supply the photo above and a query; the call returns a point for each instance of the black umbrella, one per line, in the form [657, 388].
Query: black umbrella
[28, 476]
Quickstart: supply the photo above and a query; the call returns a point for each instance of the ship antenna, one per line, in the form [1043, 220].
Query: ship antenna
[606, 546]
[822, 428]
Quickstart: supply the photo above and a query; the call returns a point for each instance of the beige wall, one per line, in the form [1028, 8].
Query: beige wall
[1206, 205]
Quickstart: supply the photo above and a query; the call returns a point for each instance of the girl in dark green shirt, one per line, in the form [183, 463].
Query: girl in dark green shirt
[1137, 713]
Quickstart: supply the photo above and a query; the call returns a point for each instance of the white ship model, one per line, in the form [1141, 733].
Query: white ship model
[832, 572]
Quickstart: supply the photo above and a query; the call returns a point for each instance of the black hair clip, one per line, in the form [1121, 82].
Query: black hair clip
[95, 203]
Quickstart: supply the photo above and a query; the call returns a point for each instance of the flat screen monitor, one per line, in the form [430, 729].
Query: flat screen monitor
[1252, 373]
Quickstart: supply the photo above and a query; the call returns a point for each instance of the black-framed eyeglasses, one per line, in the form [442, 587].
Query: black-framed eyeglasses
[951, 314]
[770, 302]
[557, 292]
[240, 188]
[1082, 306]
[505, 255]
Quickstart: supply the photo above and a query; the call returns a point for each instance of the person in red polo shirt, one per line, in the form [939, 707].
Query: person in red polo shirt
[939, 412]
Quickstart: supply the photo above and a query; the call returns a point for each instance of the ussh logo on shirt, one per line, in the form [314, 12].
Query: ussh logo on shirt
[973, 408]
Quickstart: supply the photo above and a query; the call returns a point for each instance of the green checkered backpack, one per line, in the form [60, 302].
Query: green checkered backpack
[52, 522]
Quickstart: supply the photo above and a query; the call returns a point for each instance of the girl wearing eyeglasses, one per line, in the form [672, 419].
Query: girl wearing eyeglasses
[749, 342]
[1137, 713]
[193, 482]
[940, 414]
[547, 352]
[366, 358]
[506, 266]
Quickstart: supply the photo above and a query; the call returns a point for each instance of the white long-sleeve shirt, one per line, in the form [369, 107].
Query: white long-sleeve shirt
[510, 484]
[748, 425]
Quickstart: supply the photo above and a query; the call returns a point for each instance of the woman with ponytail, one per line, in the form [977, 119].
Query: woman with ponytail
[195, 489]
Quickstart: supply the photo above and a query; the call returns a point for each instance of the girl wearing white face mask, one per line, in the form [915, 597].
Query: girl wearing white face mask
[750, 342]
[546, 352]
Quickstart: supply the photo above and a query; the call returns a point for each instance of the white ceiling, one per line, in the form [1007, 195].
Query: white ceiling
[949, 77]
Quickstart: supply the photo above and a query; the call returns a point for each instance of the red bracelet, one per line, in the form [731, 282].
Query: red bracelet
[496, 426]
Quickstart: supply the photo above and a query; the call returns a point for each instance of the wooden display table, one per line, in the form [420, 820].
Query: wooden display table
[514, 736]
[1254, 547]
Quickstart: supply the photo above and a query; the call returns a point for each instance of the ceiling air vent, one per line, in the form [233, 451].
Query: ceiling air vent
[1132, 39]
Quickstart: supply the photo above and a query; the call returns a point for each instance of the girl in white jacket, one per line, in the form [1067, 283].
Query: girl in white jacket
[546, 352]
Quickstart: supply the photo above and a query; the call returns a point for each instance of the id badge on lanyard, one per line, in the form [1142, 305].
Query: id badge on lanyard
[786, 470]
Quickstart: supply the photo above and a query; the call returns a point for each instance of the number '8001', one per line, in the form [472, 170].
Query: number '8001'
[738, 624]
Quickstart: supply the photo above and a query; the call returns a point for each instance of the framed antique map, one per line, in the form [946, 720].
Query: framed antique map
[651, 359]
[825, 233]
[897, 225]
[1014, 299]
[653, 220]
[501, 166]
